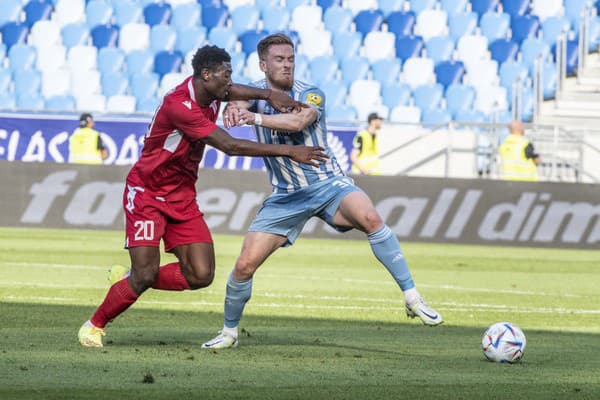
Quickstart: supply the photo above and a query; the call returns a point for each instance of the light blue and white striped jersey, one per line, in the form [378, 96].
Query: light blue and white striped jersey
[286, 174]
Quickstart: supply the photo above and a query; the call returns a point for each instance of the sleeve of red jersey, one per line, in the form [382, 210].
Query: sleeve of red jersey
[189, 119]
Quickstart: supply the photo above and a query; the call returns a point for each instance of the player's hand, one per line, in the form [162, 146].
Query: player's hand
[230, 116]
[311, 155]
[245, 117]
[284, 103]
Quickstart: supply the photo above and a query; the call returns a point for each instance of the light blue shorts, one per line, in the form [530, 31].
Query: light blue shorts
[286, 213]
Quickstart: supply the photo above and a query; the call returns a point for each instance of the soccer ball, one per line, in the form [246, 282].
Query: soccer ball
[503, 342]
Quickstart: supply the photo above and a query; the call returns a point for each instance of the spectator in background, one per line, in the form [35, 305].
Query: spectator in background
[85, 144]
[365, 152]
[519, 159]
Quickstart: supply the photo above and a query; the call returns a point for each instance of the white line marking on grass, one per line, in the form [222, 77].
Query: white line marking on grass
[54, 266]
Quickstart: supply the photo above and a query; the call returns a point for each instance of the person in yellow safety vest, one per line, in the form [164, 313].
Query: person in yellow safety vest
[85, 144]
[519, 159]
[365, 152]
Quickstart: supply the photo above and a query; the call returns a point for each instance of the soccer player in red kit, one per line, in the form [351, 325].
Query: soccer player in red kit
[160, 195]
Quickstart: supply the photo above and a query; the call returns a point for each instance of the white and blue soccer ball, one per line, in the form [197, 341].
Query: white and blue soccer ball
[503, 342]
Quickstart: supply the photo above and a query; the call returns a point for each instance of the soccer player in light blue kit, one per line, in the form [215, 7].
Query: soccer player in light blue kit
[301, 191]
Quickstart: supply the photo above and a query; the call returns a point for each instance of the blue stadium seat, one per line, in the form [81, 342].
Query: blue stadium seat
[396, 94]
[27, 101]
[147, 105]
[449, 72]
[301, 71]
[462, 24]
[214, 16]
[105, 36]
[37, 10]
[420, 5]
[250, 39]
[60, 103]
[238, 61]
[386, 70]
[354, 68]
[323, 69]
[190, 38]
[98, 12]
[185, 16]
[264, 5]
[401, 23]
[516, 8]
[335, 92]
[338, 19]
[75, 35]
[389, 6]
[28, 82]
[127, 11]
[435, 116]
[10, 11]
[409, 46]
[244, 18]
[439, 48]
[530, 50]
[510, 71]
[291, 4]
[144, 86]
[7, 101]
[326, 4]
[552, 27]
[346, 44]
[572, 56]
[459, 98]
[167, 61]
[549, 77]
[210, 3]
[470, 116]
[525, 26]
[110, 60]
[14, 33]
[162, 37]
[503, 50]
[483, 6]
[453, 7]
[275, 18]
[368, 20]
[574, 8]
[223, 37]
[115, 83]
[158, 13]
[139, 62]
[5, 80]
[428, 96]
[495, 25]
[341, 113]
[21, 56]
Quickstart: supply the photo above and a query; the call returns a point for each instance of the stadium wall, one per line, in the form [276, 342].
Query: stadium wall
[462, 211]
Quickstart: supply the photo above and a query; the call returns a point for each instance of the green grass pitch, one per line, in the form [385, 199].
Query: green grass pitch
[325, 322]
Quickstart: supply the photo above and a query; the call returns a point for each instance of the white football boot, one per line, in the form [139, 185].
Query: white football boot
[222, 341]
[419, 308]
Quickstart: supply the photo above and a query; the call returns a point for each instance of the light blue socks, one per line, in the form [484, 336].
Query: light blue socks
[237, 295]
[386, 248]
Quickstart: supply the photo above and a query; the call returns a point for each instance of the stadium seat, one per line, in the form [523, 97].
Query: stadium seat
[223, 37]
[510, 71]
[326, 4]
[139, 62]
[82, 58]
[523, 27]
[244, 18]
[472, 48]
[431, 23]
[380, 109]
[162, 38]
[574, 10]
[127, 12]
[45, 33]
[134, 36]
[356, 6]
[10, 11]
[401, 23]
[459, 98]
[291, 4]
[436, 116]
[572, 56]
[56, 83]
[470, 116]
[418, 6]
[85, 83]
[323, 68]
[158, 14]
[6, 80]
[263, 5]
[186, 16]
[7, 101]
[51, 57]
[114, 84]
[341, 112]
[69, 12]
[315, 43]
[405, 115]
[547, 8]
[169, 81]
[516, 8]
[92, 103]
[491, 99]
[27, 101]
[483, 6]
[552, 27]
[121, 103]
[110, 60]
[408, 47]
[253, 71]
[453, 7]
[440, 48]
[98, 12]
[249, 40]
[503, 50]
[386, 71]
[335, 92]
[276, 19]
[233, 5]
[37, 10]
[210, 3]
[214, 16]
[428, 96]
[367, 21]
[364, 93]
[302, 67]
[105, 36]
[549, 77]
[531, 49]
[449, 72]
[147, 105]
[482, 73]
[144, 86]
[338, 19]
[238, 62]
[387, 7]
[396, 94]
[346, 44]
[167, 62]
[462, 24]
[379, 45]
[354, 68]
[27, 82]
[418, 71]
[21, 56]
[14, 33]
[495, 25]
[189, 39]
[75, 35]
[60, 103]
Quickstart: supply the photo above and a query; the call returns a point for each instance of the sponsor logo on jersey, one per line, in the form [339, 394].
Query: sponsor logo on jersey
[314, 99]
[188, 104]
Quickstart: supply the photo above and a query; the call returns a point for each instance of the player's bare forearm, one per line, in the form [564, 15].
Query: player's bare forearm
[279, 100]
[290, 122]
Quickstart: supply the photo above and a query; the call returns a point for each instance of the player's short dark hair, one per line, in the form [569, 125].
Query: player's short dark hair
[209, 57]
[277, 38]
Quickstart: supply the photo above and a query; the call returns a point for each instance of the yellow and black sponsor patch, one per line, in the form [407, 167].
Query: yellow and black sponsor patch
[314, 99]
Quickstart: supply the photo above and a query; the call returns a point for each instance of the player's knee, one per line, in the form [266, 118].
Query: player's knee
[244, 268]
[200, 277]
[143, 278]
[372, 221]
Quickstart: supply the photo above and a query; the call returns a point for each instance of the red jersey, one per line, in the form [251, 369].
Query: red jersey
[168, 166]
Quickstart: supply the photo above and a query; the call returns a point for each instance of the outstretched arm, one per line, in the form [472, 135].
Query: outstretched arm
[279, 100]
[290, 122]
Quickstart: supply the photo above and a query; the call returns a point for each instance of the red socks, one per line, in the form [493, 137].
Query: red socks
[171, 278]
[118, 299]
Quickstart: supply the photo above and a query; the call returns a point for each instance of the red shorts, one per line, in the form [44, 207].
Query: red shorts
[148, 219]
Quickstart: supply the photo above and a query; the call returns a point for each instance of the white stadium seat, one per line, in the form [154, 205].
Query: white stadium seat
[417, 72]
[56, 83]
[121, 104]
[69, 11]
[134, 36]
[92, 103]
[45, 33]
[406, 114]
[431, 23]
[82, 58]
[51, 58]
[380, 45]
